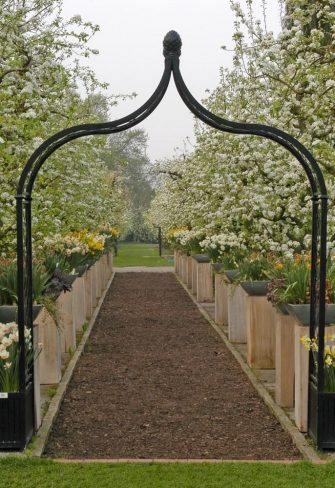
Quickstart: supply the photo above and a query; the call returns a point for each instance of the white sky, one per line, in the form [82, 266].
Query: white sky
[131, 60]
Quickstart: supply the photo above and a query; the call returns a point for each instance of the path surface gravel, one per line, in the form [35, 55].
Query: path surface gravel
[157, 382]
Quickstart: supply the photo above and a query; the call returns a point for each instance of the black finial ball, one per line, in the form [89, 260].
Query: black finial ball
[172, 44]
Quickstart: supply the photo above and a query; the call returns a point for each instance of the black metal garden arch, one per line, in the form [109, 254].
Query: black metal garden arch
[321, 403]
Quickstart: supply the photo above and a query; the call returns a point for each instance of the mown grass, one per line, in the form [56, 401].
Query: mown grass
[39, 473]
[134, 254]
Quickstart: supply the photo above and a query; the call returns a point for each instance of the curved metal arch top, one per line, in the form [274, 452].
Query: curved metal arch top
[172, 50]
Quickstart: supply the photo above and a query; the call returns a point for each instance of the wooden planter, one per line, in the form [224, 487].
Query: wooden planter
[194, 276]
[261, 333]
[284, 359]
[204, 278]
[110, 262]
[184, 268]
[301, 371]
[105, 269]
[50, 357]
[89, 293]
[78, 303]
[97, 278]
[301, 367]
[65, 322]
[37, 381]
[221, 299]
[189, 272]
[237, 310]
[177, 261]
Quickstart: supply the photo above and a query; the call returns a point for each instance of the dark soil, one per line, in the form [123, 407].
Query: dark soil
[157, 382]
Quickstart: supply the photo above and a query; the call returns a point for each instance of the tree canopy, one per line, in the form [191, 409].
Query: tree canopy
[40, 73]
[235, 192]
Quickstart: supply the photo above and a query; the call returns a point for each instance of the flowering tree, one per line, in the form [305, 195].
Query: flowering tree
[127, 157]
[39, 74]
[246, 192]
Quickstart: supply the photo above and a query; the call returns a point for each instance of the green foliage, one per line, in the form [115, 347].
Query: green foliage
[253, 269]
[292, 281]
[85, 327]
[8, 283]
[52, 392]
[247, 193]
[128, 159]
[134, 254]
[39, 96]
[53, 261]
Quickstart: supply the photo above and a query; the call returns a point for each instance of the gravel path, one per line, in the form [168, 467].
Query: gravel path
[157, 382]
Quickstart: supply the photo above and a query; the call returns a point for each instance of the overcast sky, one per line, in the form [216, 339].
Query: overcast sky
[131, 60]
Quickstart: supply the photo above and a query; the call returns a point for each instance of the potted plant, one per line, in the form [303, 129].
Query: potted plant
[16, 428]
[289, 290]
[259, 318]
[324, 433]
[221, 287]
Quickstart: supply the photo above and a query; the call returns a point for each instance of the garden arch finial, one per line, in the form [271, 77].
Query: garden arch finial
[172, 44]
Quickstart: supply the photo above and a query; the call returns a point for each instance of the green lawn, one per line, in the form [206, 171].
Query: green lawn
[31, 473]
[133, 254]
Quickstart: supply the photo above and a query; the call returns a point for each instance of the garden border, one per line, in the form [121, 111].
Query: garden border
[39, 442]
[297, 437]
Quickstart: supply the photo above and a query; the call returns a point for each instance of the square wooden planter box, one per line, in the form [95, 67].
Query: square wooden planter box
[91, 285]
[50, 357]
[221, 299]
[110, 262]
[301, 368]
[78, 305]
[184, 268]
[65, 323]
[98, 279]
[237, 314]
[16, 419]
[189, 272]
[284, 360]
[202, 278]
[176, 262]
[261, 333]
[105, 269]
[194, 276]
